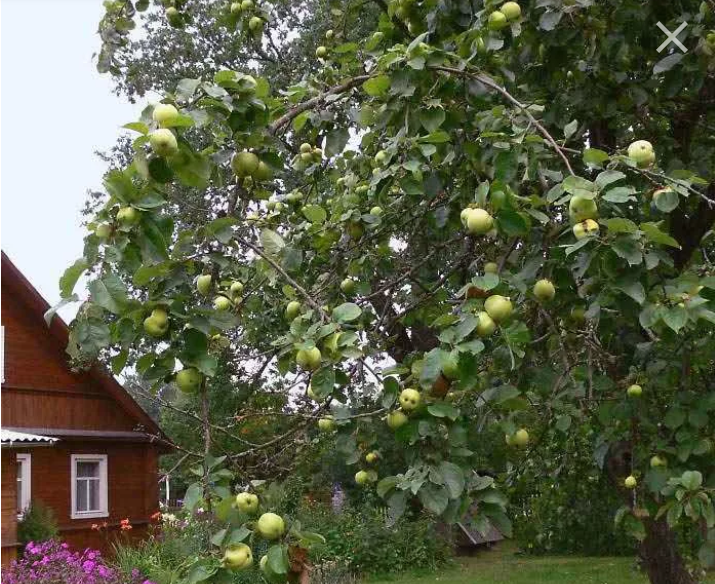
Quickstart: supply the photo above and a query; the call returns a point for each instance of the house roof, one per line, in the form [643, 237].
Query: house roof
[11, 437]
[59, 330]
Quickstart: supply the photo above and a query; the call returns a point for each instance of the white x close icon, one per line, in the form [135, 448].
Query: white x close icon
[672, 37]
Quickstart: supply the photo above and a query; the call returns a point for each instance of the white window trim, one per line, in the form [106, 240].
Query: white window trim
[103, 486]
[26, 494]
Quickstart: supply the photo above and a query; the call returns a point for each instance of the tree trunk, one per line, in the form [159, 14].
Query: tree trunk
[660, 555]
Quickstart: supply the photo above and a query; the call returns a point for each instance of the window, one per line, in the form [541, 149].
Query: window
[89, 486]
[24, 482]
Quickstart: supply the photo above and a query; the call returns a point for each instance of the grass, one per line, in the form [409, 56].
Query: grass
[501, 565]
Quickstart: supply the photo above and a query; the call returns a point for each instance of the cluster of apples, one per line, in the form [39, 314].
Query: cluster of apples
[247, 164]
[508, 13]
[269, 526]
[246, 9]
[226, 299]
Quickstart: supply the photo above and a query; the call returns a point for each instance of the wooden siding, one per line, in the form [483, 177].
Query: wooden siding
[9, 505]
[132, 473]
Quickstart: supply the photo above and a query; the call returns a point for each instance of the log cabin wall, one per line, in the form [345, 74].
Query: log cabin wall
[8, 506]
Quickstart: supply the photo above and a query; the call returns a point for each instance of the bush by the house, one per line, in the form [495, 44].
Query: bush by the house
[38, 524]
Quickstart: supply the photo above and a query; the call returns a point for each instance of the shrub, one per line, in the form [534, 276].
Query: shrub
[52, 562]
[38, 524]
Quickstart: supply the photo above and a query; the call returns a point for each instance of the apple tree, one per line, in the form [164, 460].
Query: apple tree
[499, 214]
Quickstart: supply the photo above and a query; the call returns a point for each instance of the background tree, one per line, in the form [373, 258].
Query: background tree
[513, 204]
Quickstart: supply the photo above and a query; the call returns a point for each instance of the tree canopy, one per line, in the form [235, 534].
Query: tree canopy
[488, 217]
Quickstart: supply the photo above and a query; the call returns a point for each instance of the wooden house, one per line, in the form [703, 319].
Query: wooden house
[74, 440]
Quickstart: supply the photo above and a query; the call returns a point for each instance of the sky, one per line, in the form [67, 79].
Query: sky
[55, 112]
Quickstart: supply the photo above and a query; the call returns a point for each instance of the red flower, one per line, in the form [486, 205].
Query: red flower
[124, 525]
[156, 516]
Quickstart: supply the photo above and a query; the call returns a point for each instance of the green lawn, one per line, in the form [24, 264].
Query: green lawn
[502, 565]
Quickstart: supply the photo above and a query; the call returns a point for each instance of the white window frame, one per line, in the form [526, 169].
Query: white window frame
[25, 495]
[103, 486]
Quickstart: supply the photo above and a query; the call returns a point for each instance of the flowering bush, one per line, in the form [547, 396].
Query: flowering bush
[52, 562]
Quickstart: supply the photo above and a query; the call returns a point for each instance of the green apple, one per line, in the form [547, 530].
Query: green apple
[520, 438]
[309, 359]
[321, 52]
[396, 419]
[479, 222]
[630, 482]
[103, 230]
[485, 324]
[155, 328]
[348, 286]
[306, 148]
[163, 142]
[128, 215]
[371, 457]
[498, 307]
[174, 17]
[491, 268]
[189, 380]
[511, 10]
[378, 36]
[661, 193]
[450, 368]
[203, 284]
[247, 502]
[236, 288]
[222, 303]
[377, 211]
[656, 461]
[236, 8]
[310, 393]
[587, 228]
[329, 34]
[544, 290]
[331, 343]
[237, 556]
[381, 158]
[263, 564]
[247, 5]
[244, 163]
[270, 526]
[263, 172]
[578, 314]
[634, 390]
[464, 215]
[497, 20]
[317, 154]
[326, 424]
[164, 113]
[409, 399]
[293, 309]
[255, 25]
[160, 316]
[581, 208]
[362, 477]
[642, 153]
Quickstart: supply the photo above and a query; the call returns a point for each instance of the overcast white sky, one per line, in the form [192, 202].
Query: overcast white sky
[55, 112]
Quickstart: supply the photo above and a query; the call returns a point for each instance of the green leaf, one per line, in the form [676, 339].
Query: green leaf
[655, 235]
[386, 485]
[512, 223]
[633, 289]
[607, 177]
[438, 137]
[271, 242]
[377, 86]
[432, 118]
[674, 418]
[314, 213]
[70, 277]
[346, 312]
[137, 127]
[192, 497]
[675, 317]
[706, 555]
[50, 312]
[434, 498]
[278, 561]
[667, 63]
[570, 129]
[186, 88]
[628, 248]
[335, 141]
[692, 480]
[619, 195]
[443, 410]
[579, 186]
[221, 228]
[323, 382]
[109, 293]
[453, 477]
[620, 225]
[594, 157]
